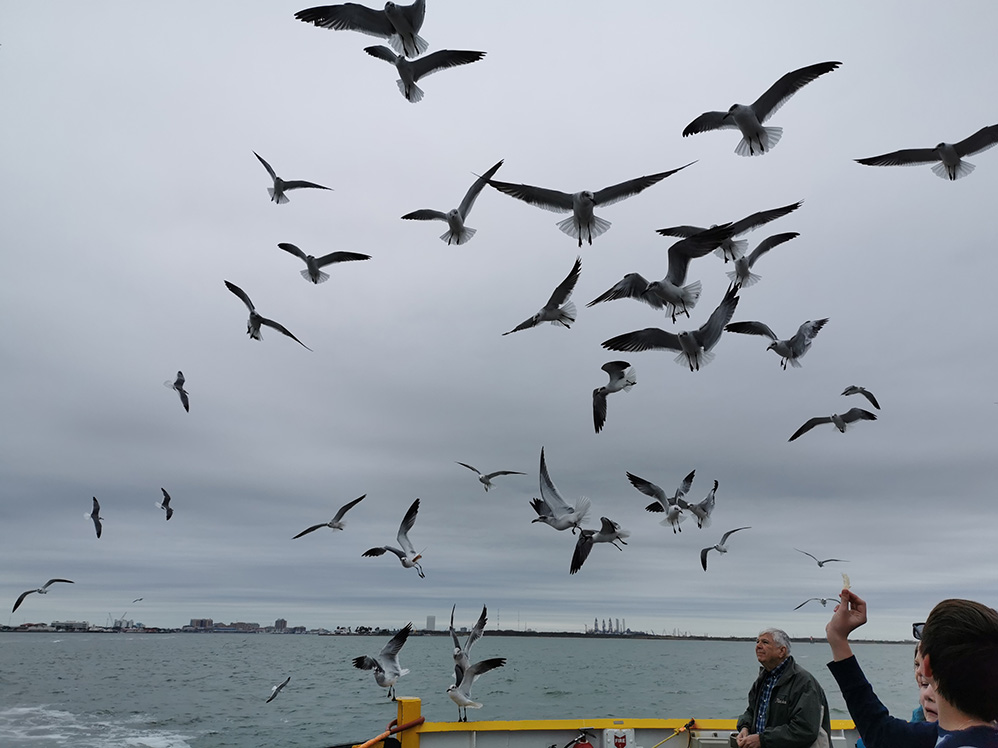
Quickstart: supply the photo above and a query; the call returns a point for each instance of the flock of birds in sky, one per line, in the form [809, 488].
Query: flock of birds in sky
[673, 295]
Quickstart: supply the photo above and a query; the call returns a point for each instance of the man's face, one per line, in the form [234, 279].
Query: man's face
[768, 652]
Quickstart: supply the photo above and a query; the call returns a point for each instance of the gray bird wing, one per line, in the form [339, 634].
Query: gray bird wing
[853, 390]
[313, 528]
[752, 328]
[391, 650]
[292, 249]
[631, 286]
[296, 184]
[583, 546]
[710, 331]
[703, 557]
[340, 257]
[477, 631]
[282, 329]
[425, 214]
[407, 522]
[503, 472]
[761, 218]
[475, 190]
[553, 200]
[698, 245]
[648, 488]
[709, 121]
[166, 497]
[525, 325]
[768, 243]
[681, 231]
[241, 294]
[349, 17]
[778, 94]
[347, 507]
[599, 408]
[615, 369]
[687, 484]
[52, 581]
[858, 414]
[443, 58]
[383, 53]
[20, 599]
[618, 192]
[644, 340]
[904, 157]
[549, 491]
[565, 288]
[729, 533]
[810, 424]
[982, 140]
[265, 165]
[465, 464]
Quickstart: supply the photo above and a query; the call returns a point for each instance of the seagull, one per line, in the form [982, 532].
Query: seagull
[336, 523]
[255, 320]
[178, 385]
[823, 600]
[840, 421]
[703, 509]
[947, 158]
[552, 509]
[670, 293]
[95, 516]
[386, 664]
[820, 563]
[278, 688]
[609, 532]
[673, 506]
[622, 377]
[583, 224]
[742, 276]
[137, 600]
[165, 504]
[43, 590]
[486, 478]
[852, 389]
[410, 72]
[756, 139]
[790, 350]
[399, 24]
[732, 248]
[311, 271]
[694, 346]
[460, 693]
[462, 654]
[280, 186]
[457, 232]
[720, 547]
[407, 555]
[559, 310]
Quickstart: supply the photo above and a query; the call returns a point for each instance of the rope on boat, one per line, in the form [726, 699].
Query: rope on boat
[393, 727]
[676, 732]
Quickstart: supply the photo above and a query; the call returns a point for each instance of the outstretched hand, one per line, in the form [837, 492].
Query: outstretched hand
[848, 616]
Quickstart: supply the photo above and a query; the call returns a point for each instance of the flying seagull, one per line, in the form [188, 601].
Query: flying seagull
[399, 24]
[840, 421]
[460, 693]
[694, 346]
[486, 478]
[720, 547]
[790, 350]
[552, 509]
[411, 71]
[165, 504]
[256, 320]
[95, 516]
[462, 654]
[947, 158]
[407, 554]
[670, 293]
[820, 563]
[823, 600]
[336, 523]
[732, 248]
[703, 509]
[559, 310]
[673, 506]
[312, 264]
[43, 590]
[457, 232]
[742, 276]
[583, 223]
[386, 665]
[852, 389]
[622, 377]
[756, 139]
[137, 600]
[281, 186]
[178, 385]
[609, 532]
[278, 688]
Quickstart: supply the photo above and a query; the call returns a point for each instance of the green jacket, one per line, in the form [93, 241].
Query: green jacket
[796, 707]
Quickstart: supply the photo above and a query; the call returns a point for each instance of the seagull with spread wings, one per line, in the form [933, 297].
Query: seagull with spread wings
[841, 422]
[457, 232]
[460, 693]
[852, 389]
[94, 515]
[552, 509]
[411, 71]
[486, 478]
[790, 350]
[281, 186]
[609, 532]
[820, 562]
[256, 320]
[558, 310]
[703, 509]
[386, 666]
[336, 523]
[622, 377]
[462, 654]
[407, 553]
[43, 590]
[165, 504]
[399, 24]
[312, 272]
[742, 276]
[946, 158]
[673, 506]
[178, 386]
[277, 689]
[721, 547]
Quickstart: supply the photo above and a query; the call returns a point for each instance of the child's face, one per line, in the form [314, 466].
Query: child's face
[926, 692]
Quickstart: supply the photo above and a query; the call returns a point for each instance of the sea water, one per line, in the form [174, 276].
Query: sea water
[210, 690]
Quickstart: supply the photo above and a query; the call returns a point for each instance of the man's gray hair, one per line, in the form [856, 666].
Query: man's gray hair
[780, 637]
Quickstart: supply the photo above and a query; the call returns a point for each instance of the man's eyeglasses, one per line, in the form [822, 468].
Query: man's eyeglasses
[916, 629]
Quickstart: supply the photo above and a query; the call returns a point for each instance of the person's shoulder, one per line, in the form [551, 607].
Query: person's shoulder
[972, 737]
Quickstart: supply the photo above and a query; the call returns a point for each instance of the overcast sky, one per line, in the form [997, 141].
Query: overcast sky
[131, 192]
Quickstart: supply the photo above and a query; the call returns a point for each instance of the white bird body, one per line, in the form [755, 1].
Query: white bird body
[336, 523]
[460, 693]
[407, 553]
[673, 506]
[178, 386]
[790, 350]
[312, 272]
[552, 509]
[399, 24]
[411, 71]
[720, 547]
[386, 666]
[622, 377]
[457, 232]
[486, 478]
[947, 158]
[558, 310]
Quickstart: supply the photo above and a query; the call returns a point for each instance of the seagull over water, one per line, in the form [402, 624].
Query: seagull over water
[552, 509]
[336, 523]
[278, 688]
[281, 186]
[411, 71]
[178, 385]
[95, 516]
[460, 693]
[790, 350]
[609, 532]
[256, 320]
[312, 264]
[841, 422]
[165, 504]
[462, 655]
[407, 554]
[947, 158]
[386, 665]
[457, 232]
[756, 139]
[720, 547]
[852, 389]
[583, 223]
[43, 590]
[622, 377]
[742, 276]
[673, 506]
[559, 310]
[399, 24]
[694, 346]
[486, 478]
[820, 563]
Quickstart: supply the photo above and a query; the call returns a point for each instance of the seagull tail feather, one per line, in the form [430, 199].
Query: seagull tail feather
[280, 199]
[571, 227]
[732, 249]
[750, 280]
[566, 316]
[771, 138]
[322, 277]
[414, 93]
[962, 169]
[462, 237]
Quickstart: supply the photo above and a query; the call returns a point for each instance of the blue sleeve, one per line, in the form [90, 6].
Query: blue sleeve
[875, 724]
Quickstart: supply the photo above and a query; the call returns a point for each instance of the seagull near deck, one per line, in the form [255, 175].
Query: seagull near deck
[386, 666]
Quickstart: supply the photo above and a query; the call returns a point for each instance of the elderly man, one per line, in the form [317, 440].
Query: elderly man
[786, 706]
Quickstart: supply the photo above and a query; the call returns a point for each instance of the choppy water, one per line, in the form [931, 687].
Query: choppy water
[209, 691]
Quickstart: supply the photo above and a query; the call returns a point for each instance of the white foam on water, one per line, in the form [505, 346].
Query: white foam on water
[44, 727]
